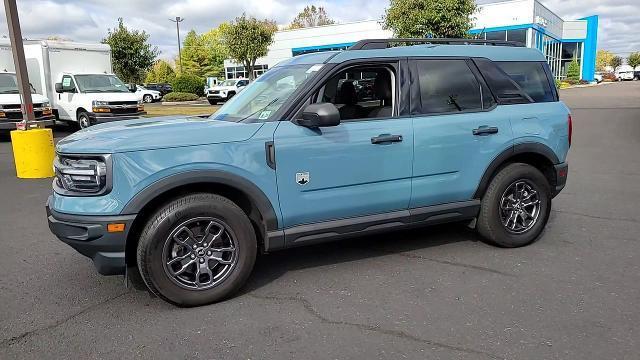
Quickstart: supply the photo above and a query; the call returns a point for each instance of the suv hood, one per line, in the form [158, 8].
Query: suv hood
[114, 96]
[217, 87]
[154, 133]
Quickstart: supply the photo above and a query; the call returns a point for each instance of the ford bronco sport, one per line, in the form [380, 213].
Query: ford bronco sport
[454, 130]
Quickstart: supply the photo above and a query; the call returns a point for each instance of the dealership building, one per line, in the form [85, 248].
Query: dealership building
[525, 21]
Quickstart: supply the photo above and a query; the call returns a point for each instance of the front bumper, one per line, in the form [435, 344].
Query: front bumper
[99, 118]
[561, 172]
[88, 235]
[216, 96]
[12, 124]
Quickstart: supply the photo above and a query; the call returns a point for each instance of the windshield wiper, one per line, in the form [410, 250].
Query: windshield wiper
[259, 110]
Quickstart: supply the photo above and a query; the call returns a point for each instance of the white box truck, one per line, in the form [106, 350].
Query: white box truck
[10, 100]
[79, 80]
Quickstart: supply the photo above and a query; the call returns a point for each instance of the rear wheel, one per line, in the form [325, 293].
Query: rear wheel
[147, 98]
[196, 250]
[515, 207]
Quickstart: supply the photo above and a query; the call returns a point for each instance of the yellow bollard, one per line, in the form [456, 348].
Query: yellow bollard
[33, 153]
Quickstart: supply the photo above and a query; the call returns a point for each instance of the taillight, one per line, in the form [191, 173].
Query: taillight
[570, 123]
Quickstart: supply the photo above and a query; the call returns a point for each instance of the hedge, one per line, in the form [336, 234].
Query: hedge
[188, 84]
[179, 96]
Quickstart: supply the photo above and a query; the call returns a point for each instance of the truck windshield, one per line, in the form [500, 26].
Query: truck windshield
[263, 97]
[99, 83]
[9, 84]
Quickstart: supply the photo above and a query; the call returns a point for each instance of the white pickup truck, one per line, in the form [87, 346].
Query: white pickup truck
[79, 80]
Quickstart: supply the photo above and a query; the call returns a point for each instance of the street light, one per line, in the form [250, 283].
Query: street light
[178, 20]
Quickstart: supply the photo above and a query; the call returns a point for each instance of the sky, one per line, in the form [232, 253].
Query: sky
[89, 20]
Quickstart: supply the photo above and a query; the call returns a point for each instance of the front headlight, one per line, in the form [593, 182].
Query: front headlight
[82, 175]
[100, 103]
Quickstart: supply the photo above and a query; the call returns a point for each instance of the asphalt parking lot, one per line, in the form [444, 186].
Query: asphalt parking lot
[434, 293]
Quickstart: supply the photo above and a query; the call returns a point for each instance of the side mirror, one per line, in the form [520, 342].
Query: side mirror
[133, 88]
[59, 88]
[320, 115]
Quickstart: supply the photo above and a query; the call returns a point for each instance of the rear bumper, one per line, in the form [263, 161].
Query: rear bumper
[562, 171]
[43, 121]
[88, 235]
[107, 117]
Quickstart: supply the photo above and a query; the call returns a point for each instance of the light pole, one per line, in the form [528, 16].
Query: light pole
[178, 20]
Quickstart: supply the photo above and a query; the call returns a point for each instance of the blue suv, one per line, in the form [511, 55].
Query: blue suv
[388, 134]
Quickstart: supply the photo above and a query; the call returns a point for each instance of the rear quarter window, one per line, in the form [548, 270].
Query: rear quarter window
[531, 77]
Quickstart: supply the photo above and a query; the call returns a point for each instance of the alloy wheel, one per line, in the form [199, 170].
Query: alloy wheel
[200, 253]
[519, 207]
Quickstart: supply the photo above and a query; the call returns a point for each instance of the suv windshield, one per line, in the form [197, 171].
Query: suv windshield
[263, 97]
[9, 84]
[228, 83]
[100, 83]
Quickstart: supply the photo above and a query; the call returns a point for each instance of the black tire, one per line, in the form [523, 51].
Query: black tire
[213, 102]
[151, 256]
[84, 121]
[490, 220]
[147, 98]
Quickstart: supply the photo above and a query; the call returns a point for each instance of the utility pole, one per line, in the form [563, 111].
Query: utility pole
[15, 35]
[177, 20]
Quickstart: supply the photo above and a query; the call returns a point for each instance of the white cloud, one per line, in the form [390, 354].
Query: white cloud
[88, 20]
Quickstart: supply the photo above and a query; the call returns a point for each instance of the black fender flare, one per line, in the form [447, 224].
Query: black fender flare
[521, 148]
[168, 183]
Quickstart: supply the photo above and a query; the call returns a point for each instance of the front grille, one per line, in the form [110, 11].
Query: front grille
[123, 103]
[14, 115]
[121, 111]
[213, 92]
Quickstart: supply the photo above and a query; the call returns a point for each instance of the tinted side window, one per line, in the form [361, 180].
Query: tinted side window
[531, 77]
[448, 86]
[503, 87]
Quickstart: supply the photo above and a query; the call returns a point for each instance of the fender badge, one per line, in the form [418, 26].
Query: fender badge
[302, 178]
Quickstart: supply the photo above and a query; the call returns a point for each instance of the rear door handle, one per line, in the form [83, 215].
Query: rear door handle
[485, 130]
[386, 138]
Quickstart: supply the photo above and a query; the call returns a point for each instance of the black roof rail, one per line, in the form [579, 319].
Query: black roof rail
[370, 44]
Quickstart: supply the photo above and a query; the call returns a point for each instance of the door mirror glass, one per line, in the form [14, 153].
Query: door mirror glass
[320, 115]
[59, 88]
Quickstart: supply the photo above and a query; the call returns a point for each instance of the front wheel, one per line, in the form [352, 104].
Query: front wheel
[212, 102]
[196, 250]
[84, 121]
[147, 98]
[516, 206]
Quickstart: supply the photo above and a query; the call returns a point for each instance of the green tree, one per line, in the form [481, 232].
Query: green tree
[430, 18]
[131, 53]
[246, 39]
[573, 70]
[216, 52]
[160, 72]
[615, 62]
[634, 59]
[311, 16]
[203, 55]
[603, 59]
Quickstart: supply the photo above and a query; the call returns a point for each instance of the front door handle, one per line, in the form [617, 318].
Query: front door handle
[386, 138]
[485, 130]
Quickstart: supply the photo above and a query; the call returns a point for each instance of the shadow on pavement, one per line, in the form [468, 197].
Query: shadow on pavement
[270, 267]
